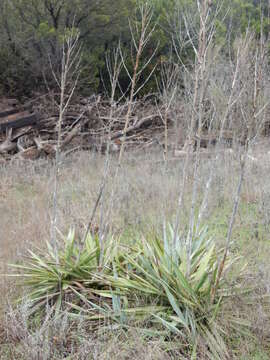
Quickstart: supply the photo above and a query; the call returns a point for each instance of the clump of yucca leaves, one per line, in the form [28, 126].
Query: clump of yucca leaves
[153, 284]
[53, 278]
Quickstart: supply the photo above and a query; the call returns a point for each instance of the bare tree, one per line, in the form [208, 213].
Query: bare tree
[141, 34]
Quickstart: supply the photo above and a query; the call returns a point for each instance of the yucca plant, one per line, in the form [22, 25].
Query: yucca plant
[161, 289]
[54, 277]
[151, 285]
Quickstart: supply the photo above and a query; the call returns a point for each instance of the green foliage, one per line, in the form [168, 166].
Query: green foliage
[160, 290]
[53, 276]
[149, 285]
[45, 31]
[32, 31]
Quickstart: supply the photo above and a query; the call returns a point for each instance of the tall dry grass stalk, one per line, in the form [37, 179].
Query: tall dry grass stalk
[199, 75]
[167, 93]
[67, 82]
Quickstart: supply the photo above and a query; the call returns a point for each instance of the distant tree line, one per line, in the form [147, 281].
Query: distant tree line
[31, 34]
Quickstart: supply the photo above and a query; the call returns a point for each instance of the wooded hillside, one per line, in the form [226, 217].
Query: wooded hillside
[31, 36]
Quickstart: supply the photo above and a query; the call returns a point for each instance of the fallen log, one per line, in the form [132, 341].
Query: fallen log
[8, 112]
[134, 127]
[19, 122]
[8, 145]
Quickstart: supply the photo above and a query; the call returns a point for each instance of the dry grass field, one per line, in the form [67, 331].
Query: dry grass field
[146, 194]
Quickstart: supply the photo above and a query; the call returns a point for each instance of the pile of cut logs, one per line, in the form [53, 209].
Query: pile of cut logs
[16, 121]
[30, 131]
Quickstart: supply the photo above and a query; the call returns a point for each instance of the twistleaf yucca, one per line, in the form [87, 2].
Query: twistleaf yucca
[159, 289]
[156, 283]
[76, 267]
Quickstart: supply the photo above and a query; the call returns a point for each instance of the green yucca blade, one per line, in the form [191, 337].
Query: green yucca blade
[194, 352]
[58, 303]
[41, 282]
[92, 246]
[37, 296]
[146, 309]
[191, 320]
[111, 251]
[188, 294]
[214, 341]
[199, 241]
[30, 268]
[147, 284]
[33, 267]
[88, 302]
[51, 251]
[116, 307]
[102, 311]
[186, 326]
[204, 265]
[103, 293]
[167, 247]
[69, 240]
[154, 247]
[136, 283]
[175, 306]
[86, 313]
[202, 284]
[149, 275]
[176, 237]
[39, 260]
[171, 326]
[150, 267]
[215, 310]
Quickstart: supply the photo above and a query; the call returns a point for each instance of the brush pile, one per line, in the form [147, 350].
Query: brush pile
[30, 131]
